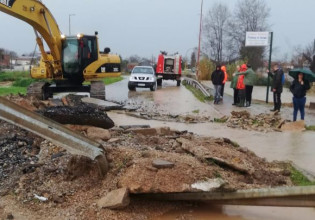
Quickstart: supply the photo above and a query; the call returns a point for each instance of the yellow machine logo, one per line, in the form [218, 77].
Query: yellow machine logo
[8, 3]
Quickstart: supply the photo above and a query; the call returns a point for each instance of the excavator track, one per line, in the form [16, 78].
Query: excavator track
[39, 90]
[97, 90]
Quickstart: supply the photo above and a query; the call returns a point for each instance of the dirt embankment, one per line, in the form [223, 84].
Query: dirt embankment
[73, 187]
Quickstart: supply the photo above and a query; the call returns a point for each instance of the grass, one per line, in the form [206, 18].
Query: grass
[21, 80]
[112, 80]
[310, 128]
[109, 80]
[12, 90]
[198, 94]
[299, 179]
[196, 111]
[235, 144]
[220, 120]
[14, 76]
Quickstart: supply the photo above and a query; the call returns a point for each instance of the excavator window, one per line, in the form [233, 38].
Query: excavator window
[90, 53]
[70, 56]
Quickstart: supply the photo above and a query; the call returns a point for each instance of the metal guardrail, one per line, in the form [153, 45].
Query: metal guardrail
[197, 85]
[52, 131]
[283, 196]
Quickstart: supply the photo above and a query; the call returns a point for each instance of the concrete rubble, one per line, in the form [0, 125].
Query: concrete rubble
[162, 164]
[116, 199]
[208, 185]
[297, 126]
[262, 122]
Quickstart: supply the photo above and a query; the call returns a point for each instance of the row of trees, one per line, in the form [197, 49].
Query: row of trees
[305, 56]
[8, 52]
[224, 31]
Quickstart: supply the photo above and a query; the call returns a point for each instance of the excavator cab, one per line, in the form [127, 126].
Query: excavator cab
[77, 53]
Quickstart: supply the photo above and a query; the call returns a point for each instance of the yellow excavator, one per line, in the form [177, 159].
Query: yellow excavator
[71, 59]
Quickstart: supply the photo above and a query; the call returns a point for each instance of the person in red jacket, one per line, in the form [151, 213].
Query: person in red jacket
[241, 87]
[223, 68]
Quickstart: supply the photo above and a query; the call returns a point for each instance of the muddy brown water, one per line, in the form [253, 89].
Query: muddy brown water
[297, 147]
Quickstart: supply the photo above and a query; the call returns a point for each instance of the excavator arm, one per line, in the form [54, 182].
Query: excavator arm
[40, 18]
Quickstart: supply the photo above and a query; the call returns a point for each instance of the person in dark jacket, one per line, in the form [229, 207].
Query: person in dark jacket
[217, 78]
[298, 88]
[277, 87]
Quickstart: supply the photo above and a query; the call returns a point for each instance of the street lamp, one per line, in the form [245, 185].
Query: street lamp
[70, 23]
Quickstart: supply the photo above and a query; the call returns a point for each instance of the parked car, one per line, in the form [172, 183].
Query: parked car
[143, 77]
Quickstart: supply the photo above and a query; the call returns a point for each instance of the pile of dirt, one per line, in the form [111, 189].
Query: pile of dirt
[72, 186]
[262, 122]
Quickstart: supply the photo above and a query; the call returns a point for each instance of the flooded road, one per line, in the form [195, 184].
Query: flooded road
[166, 99]
[297, 147]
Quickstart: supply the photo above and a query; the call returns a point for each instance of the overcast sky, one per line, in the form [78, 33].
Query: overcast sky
[144, 27]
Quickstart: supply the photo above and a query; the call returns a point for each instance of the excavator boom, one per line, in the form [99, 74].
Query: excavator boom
[40, 18]
[72, 59]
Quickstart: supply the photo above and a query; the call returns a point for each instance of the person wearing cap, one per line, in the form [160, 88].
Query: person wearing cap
[277, 86]
[299, 88]
[249, 81]
[217, 78]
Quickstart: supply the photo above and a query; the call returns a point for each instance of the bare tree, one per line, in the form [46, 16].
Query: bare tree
[309, 55]
[215, 28]
[304, 55]
[250, 15]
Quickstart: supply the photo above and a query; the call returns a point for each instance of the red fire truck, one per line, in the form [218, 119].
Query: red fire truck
[169, 67]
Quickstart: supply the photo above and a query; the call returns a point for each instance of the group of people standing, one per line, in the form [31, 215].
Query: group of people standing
[243, 82]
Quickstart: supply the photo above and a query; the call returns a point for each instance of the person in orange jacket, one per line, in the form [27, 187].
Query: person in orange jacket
[241, 87]
[223, 68]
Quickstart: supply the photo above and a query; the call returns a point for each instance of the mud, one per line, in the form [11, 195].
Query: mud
[79, 115]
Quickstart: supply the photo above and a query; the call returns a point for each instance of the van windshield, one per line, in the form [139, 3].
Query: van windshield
[142, 70]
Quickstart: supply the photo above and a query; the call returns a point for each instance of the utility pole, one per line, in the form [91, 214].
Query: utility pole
[200, 31]
[70, 23]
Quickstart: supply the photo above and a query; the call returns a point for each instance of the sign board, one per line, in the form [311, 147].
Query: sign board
[257, 39]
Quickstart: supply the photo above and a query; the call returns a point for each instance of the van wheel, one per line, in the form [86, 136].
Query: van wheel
[178, 82]
[159, 82]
